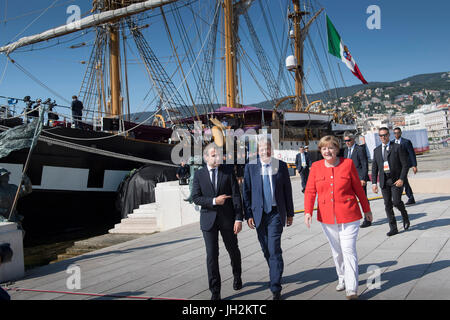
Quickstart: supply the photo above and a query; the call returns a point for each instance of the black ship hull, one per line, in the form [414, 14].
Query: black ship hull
[74, 188]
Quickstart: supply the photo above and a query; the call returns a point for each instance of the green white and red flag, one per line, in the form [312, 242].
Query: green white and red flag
[337, 48]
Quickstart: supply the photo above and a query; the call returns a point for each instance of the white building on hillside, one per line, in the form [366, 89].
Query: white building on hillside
[436, 122]
[415, 120]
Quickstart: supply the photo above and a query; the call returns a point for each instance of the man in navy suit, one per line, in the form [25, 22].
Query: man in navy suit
[412, 161]
[216, 190]
[303, 163]
[268, 207]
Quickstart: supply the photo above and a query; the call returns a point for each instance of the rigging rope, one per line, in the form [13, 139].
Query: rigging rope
[35, 79]
[4, 71]
[29, 25]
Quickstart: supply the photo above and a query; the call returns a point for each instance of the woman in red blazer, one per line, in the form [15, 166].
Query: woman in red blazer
[336, 182]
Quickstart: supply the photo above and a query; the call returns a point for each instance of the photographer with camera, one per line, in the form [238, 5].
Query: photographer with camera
[7, 195]
[5, 256]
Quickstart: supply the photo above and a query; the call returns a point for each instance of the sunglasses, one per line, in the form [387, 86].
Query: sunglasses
[384, 135]
[347, 140]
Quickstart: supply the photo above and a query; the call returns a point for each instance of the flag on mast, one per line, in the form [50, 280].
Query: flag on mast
[337, 48]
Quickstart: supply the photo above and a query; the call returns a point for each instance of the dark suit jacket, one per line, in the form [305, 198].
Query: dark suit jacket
[203, 195]
[298, 161]
[398, 164]
[77, 105]
[183, 171]
[407, 145]
[359, 158]
[253, 192]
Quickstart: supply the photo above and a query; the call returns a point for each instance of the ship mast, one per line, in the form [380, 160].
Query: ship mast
[114, 67]
[114, 60]
[299, 37]
[230, 54]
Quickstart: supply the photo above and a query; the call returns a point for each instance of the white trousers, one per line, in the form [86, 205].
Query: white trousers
[342, 240]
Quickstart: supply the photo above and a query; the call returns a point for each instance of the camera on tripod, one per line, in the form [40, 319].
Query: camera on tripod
[5, 253]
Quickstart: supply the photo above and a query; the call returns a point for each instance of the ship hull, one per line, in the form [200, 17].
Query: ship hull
[75, 189]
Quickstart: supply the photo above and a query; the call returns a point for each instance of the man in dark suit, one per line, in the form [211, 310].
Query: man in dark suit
[412, 161]
[216, 190]
[77, 111]
[268, 207]
[303, 163]
[391, 163]
[359, 157]
[183, 173]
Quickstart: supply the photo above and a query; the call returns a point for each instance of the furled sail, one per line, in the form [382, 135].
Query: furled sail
[87, 22]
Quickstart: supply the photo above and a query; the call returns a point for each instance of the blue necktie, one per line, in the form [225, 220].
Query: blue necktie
[267, 191]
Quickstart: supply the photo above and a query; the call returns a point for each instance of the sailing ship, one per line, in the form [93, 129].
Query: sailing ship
[75, 172]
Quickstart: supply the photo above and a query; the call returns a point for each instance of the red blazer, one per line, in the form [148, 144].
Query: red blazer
[337, 189]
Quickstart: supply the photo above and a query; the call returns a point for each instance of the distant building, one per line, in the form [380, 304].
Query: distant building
[434, 93]
[437, 124]
[406, 84]
[375, 100]
[398, 121]
[365, 104]
[406, 103]
[418, 94]
[415, 120]
[401, 98]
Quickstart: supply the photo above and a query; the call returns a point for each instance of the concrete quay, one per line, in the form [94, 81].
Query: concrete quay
[414, 264]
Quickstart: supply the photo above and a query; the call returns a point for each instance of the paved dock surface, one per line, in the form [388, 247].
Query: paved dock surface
[414, 264]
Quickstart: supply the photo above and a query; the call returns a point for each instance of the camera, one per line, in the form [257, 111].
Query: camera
[5, 253]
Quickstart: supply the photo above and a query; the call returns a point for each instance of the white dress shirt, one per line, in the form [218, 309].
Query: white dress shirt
[215, 182]
[210, 178]
[350, 151]
[303, 159]
[269, 172]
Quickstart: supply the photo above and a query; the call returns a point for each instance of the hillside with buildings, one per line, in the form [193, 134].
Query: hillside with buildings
[418, 102]
[409, 105]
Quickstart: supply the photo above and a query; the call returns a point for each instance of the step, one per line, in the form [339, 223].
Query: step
[145, 220]
[79, 251]
[149, 206]
[142, 215]
[145, 211]
[126, 230]
[135, 226]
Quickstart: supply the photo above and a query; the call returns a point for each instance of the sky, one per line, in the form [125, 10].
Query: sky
[413, 39]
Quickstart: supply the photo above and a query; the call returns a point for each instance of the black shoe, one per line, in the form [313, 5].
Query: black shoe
[410, 202]
[392, 232]
[216, 296]
[237, 283]
[406, 224]
[366, 224]
[276, 295]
